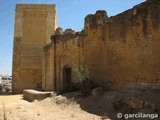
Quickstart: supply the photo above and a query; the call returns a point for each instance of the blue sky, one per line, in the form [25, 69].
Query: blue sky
[71, 14]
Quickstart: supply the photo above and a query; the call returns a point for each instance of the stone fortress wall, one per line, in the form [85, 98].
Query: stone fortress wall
[118, 50]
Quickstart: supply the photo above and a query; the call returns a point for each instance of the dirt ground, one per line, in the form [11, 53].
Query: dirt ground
[58, 108]
[10, 98]
[69, 106]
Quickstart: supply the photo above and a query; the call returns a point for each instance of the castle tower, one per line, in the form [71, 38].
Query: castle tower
[34, 25]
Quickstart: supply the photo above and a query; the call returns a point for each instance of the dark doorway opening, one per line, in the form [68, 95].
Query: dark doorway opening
[67, 76]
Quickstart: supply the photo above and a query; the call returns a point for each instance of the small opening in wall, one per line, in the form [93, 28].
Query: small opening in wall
[66, 75]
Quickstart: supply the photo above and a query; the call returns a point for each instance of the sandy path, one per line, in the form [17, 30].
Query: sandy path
[10, 98]
[6, 100]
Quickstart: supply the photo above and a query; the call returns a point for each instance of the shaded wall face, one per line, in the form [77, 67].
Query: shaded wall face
[66, 53]
[59, 58]
[126, 49]
[48, 68]
[33, 26]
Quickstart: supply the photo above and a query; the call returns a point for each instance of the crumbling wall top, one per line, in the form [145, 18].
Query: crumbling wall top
[59, 31]
[92, 21]
[69, 31]
[68, 34]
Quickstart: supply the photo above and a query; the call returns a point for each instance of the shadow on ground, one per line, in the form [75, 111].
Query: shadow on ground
[102, 105]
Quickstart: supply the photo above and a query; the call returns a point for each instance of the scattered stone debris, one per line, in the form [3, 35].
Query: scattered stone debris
[135, 103]
[132, 104]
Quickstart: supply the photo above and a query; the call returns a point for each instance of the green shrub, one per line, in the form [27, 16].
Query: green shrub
[81, 73]
[8, 89]
[83, 84]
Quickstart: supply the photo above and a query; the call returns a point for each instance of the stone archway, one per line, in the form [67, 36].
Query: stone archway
[67, 75]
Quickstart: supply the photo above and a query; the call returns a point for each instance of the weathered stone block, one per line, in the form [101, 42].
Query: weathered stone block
[135, 103]
[32, 95]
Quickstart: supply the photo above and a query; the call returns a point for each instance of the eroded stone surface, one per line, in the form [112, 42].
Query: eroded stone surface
[32, 95]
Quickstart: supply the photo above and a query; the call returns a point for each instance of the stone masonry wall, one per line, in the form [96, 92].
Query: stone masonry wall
[65, 49]
[119, 50]
[126, 48]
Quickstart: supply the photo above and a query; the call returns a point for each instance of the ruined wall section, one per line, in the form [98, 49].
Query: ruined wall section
[126, 48]
[118, 50]
[67, 48]
[93, 21]
[34, 25]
